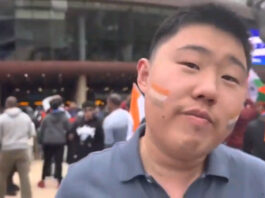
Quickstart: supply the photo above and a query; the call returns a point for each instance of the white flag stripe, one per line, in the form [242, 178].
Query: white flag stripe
[252, 88]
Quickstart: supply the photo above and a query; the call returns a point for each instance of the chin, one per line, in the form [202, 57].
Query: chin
[193, 148]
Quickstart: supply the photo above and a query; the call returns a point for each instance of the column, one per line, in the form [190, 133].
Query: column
[80, 96]
[82, 37]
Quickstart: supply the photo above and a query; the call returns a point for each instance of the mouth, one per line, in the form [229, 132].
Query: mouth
[199, 114]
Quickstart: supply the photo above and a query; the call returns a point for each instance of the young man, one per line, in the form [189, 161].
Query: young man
[195, 86]
[86, 135]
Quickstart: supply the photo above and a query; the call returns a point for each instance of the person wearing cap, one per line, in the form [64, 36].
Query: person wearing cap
[254, 139]
[195, 85]
[86, 135]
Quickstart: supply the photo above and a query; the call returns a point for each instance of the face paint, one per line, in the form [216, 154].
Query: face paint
[158, 94]
[232, 122]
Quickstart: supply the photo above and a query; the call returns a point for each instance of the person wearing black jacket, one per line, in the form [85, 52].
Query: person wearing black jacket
[86, 135]
[254, 139]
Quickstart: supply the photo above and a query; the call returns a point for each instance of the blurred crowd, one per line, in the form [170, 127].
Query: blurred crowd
[55, 132]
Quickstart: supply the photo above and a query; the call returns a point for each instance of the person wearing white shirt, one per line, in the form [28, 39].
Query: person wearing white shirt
[118, 124]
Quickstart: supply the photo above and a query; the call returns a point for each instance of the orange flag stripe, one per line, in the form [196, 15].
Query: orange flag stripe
[160, 89]
[135, 94]
[262, 89]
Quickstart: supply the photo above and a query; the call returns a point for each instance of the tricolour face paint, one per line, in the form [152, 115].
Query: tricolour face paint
[232, 122]
[159, 94]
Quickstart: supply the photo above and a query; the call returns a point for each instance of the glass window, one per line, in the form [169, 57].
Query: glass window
[7, 33]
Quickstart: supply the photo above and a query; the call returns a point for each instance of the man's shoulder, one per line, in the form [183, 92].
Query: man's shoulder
[109, 119]
[96, 173]
[97, 164]
[123, 112]
[242, 171]
[240, 161]
[25, 116]
[96, 160]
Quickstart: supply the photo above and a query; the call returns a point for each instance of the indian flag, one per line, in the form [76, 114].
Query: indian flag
[136, 106]
[254, 83]
[261, 94]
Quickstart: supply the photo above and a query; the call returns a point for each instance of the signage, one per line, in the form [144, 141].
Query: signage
[258, 53]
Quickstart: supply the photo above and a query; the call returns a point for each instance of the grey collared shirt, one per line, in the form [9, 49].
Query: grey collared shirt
[118, 172]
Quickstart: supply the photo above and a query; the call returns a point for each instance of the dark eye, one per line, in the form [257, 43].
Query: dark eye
[230, 78]
[190, 65]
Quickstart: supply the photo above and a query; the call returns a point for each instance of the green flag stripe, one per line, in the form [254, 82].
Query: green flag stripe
[258, 82]
[261, 97]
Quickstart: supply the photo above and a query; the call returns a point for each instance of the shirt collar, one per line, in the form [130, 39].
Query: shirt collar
[217, 164]
[131, 166]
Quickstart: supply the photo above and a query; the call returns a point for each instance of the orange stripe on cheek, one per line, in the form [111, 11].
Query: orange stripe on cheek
[160, 90]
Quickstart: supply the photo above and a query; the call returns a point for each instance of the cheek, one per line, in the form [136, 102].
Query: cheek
[231, 123]
[158, 94]
[163, 95]
[232, 115]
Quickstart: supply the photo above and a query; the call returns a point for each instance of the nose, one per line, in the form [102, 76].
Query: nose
[206, 88]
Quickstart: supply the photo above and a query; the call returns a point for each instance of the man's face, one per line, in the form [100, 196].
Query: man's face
[195, 88]
[88, 113]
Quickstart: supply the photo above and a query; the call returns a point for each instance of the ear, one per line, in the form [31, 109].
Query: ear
[143, 70]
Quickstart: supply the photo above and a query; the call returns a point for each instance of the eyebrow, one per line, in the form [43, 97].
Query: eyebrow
[196, 48]
[203, 50]
[237, 62]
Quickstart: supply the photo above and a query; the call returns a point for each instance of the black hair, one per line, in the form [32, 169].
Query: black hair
[115, 99]
[210, 14]
[56, 103]
[88, 103]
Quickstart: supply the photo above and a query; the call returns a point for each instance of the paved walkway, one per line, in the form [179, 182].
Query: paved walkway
[35, 175]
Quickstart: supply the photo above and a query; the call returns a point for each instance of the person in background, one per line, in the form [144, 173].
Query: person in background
[100, 112]
[73, 111]
[12, 188]
[15, 131]
[254, 139]
[249, 113]
[118, 123]
[125, 104]
[53, 132]
[86, 135]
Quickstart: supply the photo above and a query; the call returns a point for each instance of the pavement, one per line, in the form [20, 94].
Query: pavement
[35, 174]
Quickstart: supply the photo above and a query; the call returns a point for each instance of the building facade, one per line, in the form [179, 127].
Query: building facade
[81, 49]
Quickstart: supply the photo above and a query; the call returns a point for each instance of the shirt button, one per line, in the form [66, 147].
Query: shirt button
[149, 179]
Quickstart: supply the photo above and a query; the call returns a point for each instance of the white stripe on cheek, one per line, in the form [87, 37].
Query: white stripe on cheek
[157, 98]
[231, 123]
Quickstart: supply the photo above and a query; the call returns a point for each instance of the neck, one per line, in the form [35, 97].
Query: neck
[113, 109]
[170, 172]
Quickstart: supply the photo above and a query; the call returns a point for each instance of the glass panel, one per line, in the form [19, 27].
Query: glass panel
[7, 33]
[113, 32]
[84, 30]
